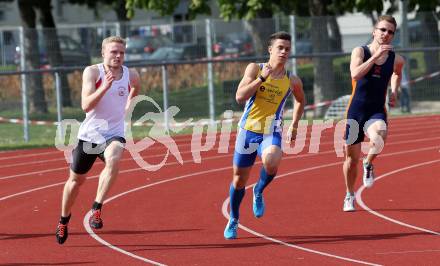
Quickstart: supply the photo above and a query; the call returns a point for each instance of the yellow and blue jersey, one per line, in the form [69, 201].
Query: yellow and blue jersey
[263, 112]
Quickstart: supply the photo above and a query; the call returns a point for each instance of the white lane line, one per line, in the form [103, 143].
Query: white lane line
[35, 172]
[408, 120]
[247, 229]
[181, 177]
[212, 158]
[31, 190]
[408, 251]
[61, 157]
[226, 215]
[364, 206]
[21, 156]
[177, 139]
[107, 244]
[90, 177]
[186, 152]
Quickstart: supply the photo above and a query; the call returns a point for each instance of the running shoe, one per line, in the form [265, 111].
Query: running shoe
[95, 220]
[258, 204]
[231, 229]
[349, 203]
[61, 233]
[368, 176]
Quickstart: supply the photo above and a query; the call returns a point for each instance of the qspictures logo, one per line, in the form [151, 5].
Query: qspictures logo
[206, 134]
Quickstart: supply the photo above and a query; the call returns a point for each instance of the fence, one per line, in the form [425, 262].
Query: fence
[202, 62]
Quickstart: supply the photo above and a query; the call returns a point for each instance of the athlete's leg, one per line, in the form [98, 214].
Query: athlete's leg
[240, 177]
[112, 155]
[71, 189]
[353, 136]
[271, 158]
[270, 152]
[377, 132]
[244, 157]
[81, 164]
[350, 167]
[245, 153]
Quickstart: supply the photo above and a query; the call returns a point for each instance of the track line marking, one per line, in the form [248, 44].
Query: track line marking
[397, 120]
[247, 229]
[365, 207]
[408, 251]
[107, 244]
[169, 180]
[209, 158]
[99, 239]
[186, 152]
[189, 151]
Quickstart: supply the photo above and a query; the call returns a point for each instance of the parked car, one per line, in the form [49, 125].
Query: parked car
[236, 43]
[139, 48]
[73, 53]
[176, 52]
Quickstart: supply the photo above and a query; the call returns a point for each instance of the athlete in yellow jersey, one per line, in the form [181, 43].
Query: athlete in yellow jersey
[265, 89]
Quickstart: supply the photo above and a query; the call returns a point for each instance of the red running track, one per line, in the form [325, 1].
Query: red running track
[176, 215]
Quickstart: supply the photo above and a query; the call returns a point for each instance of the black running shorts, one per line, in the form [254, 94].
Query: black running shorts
[85, 154]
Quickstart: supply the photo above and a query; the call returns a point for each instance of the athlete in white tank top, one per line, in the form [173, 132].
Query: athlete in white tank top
[106, 120]
[107, 90]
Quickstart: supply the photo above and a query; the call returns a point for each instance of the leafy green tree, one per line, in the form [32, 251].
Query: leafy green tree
[29, 10]
[117, 5]
[426, 12]
[374, 8]
[37, 101]
[167, 7]
[255, 11]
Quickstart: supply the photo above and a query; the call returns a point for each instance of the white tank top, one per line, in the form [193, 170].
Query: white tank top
[106, 120]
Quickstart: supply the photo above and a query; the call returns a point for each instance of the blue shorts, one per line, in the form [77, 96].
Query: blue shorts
[361, 114]
[248, 144]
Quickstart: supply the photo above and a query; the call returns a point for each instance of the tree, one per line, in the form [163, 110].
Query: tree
[323, 18]
[36, 93]
[430, 38]
[29, 11]
[167, 7]
[257, 19]
[374, 8]
[117, 5]
[324, 77]
[37, 101]
[55, 57]
[425, 11]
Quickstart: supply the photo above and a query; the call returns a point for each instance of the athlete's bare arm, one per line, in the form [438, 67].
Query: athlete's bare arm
[358, 67]
[298, 108]
[249, 83]
[134, 85]
[90, 95]
[396, 77]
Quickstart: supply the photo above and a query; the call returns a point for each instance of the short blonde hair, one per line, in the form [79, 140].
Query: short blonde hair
[111, 39]
[387, 18]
